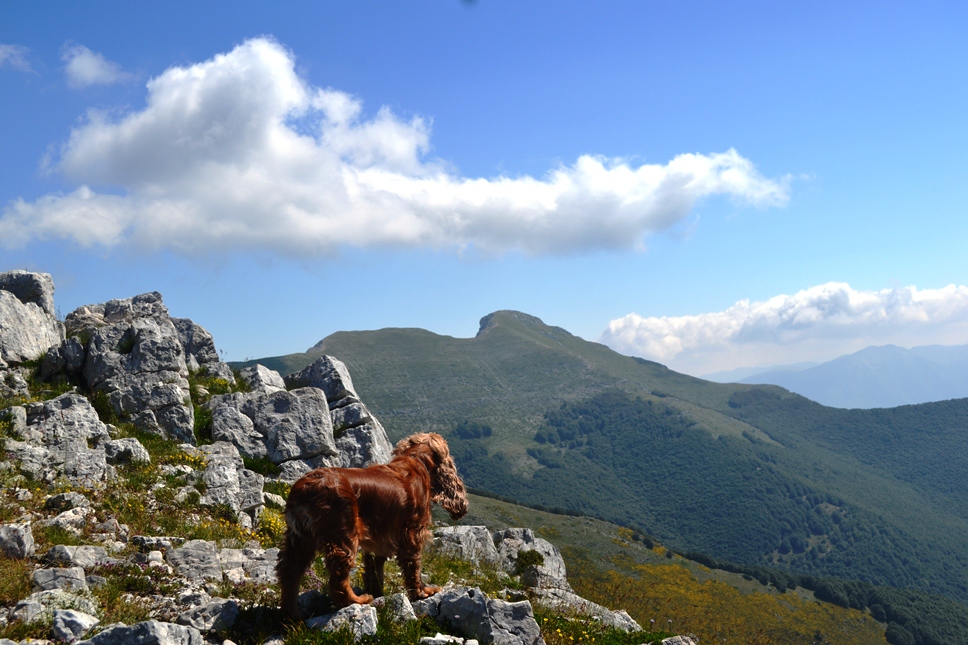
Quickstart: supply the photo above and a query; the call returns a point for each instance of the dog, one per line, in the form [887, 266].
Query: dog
[383, 510]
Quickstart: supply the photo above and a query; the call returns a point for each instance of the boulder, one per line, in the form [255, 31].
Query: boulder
[678, 640]
[262, 380]
[470, 613]
[28, 324]
[198, 344]
[399, 608]
[85, 557]
[41, 605]
[329, 375]
[31, 288]
[68, 579]
[65, 501]
[197, 561]
[16, 416]
[470, 543]
[16, 541]
[228, 482]
[135, 357]
[150, 632]
[126, 451]
[361, 620]
[551, 572]
[66, 358]
[217, 616]
[568, 602]
[70, 625]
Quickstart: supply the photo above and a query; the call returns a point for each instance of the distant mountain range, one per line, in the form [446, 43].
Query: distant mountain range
[875, 377]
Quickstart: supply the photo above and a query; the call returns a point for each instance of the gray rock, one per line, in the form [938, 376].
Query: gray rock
[568, 602]
[271, 499]
[70, 625]
[361, 620]
[125, 451]
[65, 427]
[197, 560]
[16, 415]
[229, 424]
[32, 460]
[678, 640]
[41, 605]
[66, 358]
[16, 541]
[364, 445]
[470, 543]
[349, 416]
[198, 344]
[27, 329]
[84, 557]
[472, 614]
[73, 520]
[68, 579]
[442, 639]
[36, 288]
[218, 370]
[146, 543]
[262, 380]
[136, 358]
[296, 424]
[217, 616]
[150, 632]
[228, 481]
[510, 541]
[399, 608]
[66, 501]
[328, 374]
[260, 564]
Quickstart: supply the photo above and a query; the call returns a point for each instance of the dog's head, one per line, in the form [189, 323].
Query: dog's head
[447, 489]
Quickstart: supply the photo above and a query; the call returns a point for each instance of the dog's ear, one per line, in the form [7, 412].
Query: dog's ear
[448, 488]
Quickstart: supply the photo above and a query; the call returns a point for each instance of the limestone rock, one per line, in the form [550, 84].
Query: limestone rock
[198, 344]
[360, 619]
[16, 541]
[16, 415]
[228, 482]
[328, 374]
[67, 358]
[399, 608]
[126, 451]
[197, 560]
[262, 380]
[510, 541]
[150, 632]
[472, 614]
[65, 501]
[68, 579]
[218, 616]
[471, 543]
[36, 288]
[678, 640]
[85, 557]
[65, 427]
[570, 603]
[135, 357]
[70, 625]
[28, 326]
[41, 605]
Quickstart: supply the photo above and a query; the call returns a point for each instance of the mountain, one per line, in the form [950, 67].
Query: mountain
[875, 377]
[748, 473]
[740, 373]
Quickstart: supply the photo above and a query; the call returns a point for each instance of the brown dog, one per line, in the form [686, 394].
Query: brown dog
[383, 510]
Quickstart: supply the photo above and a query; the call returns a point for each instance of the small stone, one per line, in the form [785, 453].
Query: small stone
[68, 579]
[69, 625]
[16, 541]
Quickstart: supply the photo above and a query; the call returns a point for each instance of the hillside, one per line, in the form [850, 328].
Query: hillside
[876, 377]
[746, 473]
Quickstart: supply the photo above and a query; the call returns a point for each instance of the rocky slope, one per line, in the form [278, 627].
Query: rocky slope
[143, 483]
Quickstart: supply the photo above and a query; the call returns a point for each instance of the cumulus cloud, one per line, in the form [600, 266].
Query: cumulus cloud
[85, 68]
[818, 323]
[240, 152]
[15, 56]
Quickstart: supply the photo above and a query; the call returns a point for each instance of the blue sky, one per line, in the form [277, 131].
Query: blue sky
[709, 185]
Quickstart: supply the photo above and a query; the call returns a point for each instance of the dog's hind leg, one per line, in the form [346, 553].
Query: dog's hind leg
[294, 558]
[339, 561]
[373, 574]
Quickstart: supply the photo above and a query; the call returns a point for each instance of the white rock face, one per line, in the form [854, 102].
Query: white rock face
[511, 541]
[26, 330]
[471, 543]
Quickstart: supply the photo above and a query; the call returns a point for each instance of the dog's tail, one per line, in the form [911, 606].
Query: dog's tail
[299, 520]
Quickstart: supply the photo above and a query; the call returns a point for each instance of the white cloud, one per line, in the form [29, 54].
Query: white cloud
[15, 56]
[85, 68]
[818, 323]
[239, 152]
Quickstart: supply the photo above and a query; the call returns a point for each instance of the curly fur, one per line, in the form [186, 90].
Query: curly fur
[382, 510]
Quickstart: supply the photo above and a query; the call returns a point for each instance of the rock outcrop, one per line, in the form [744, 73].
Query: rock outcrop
[28, 324]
